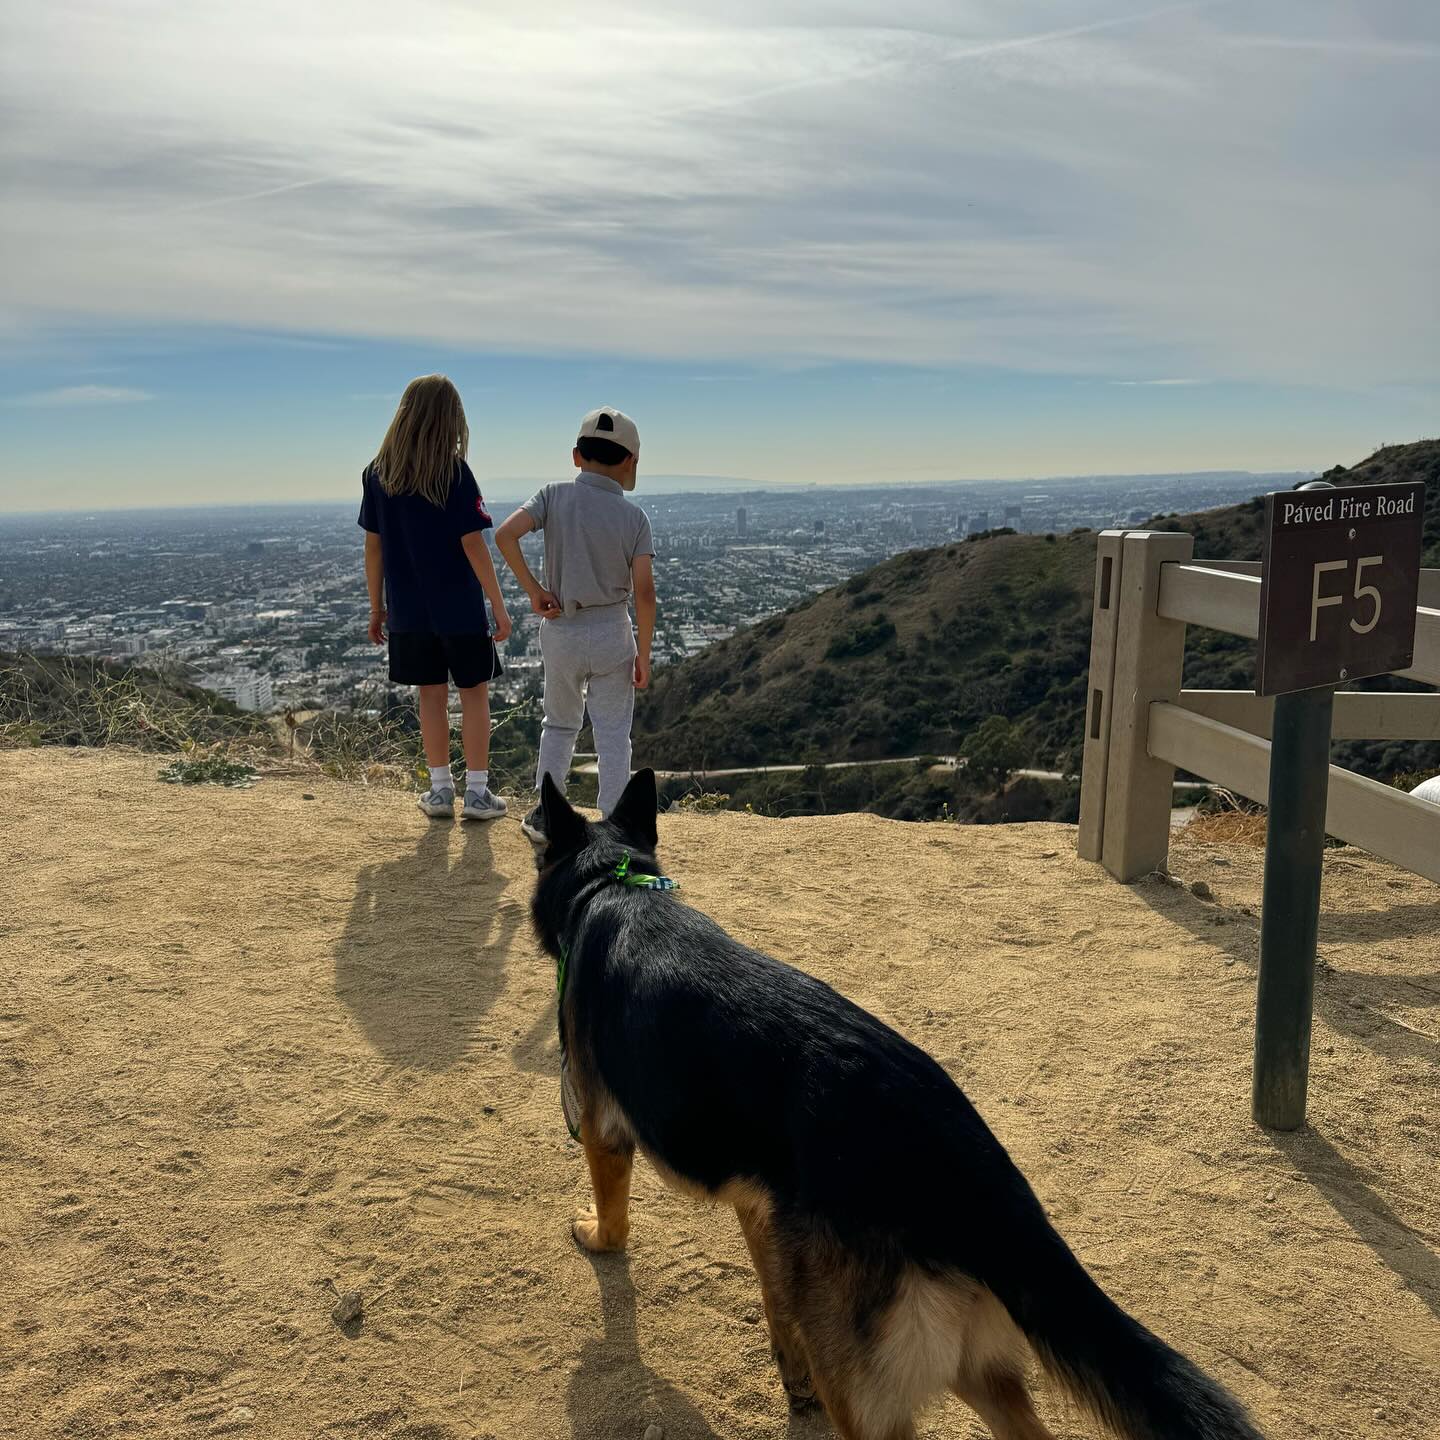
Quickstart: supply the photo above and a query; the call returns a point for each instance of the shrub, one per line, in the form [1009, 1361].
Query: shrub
[861, 639]
[208, 768]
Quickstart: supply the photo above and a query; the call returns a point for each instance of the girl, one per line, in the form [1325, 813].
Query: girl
[424, 525]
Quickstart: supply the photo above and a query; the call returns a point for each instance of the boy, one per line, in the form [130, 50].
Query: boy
[597, 553]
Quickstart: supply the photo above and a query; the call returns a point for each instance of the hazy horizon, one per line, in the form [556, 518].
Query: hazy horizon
[672, 486]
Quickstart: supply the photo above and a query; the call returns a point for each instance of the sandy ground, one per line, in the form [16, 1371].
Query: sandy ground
[256, 1044]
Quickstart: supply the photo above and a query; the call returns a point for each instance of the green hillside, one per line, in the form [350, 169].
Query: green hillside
[913, 656]
[900, 660]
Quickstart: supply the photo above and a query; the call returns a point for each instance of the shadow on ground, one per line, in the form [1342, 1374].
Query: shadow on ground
[613, 1391]
[422, 957]
[1347, 1001]
[1346, 1189]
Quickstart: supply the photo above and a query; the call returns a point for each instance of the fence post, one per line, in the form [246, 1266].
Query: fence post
[1149, 661]
[1094, 768]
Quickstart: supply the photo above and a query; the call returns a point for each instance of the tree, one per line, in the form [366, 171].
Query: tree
[993, 749]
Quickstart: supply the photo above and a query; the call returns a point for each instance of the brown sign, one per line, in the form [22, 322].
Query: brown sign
[1339, 585]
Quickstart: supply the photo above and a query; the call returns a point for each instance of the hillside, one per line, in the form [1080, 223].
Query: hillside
[76, 700]
[912, 656]
[262, 1043]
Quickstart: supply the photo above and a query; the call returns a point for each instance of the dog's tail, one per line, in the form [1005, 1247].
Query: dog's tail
[1107, 1360]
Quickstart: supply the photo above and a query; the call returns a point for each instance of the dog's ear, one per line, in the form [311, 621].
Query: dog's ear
[634, 816]
[564, 825]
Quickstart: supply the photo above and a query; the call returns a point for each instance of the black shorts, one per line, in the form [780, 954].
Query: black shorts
[420, 658]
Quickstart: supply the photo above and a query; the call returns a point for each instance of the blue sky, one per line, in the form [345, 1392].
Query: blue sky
[813, 240]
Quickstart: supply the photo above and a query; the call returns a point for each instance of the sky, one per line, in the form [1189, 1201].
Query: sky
[800, 241]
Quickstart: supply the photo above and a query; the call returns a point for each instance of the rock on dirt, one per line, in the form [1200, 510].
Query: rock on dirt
[348, 1308]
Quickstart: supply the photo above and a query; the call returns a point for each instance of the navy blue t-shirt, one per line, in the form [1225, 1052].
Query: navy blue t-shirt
[430, 586]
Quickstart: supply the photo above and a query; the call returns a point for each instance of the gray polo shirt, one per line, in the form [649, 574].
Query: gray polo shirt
[592, 535]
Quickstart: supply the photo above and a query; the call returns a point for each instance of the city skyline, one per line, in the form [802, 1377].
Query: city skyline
[844, 244]
[267, 613]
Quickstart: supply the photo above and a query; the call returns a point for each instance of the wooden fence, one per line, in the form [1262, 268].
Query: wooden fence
[1141, 725]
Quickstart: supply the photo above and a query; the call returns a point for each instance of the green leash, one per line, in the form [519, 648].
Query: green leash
[569, 1101]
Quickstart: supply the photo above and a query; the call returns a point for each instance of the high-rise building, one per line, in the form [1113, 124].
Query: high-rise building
[819, 527]
[1013, 515]
[979, 522]
[742, 522]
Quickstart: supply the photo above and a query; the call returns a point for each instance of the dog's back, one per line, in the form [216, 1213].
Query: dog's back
[899, 1249]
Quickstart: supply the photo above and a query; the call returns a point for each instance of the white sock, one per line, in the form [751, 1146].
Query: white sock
[476, 779]
[440, 778]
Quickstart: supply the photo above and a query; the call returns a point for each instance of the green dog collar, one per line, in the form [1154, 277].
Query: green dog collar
[641, 881]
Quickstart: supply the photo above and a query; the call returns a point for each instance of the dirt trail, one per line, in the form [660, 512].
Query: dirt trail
[254, 1044]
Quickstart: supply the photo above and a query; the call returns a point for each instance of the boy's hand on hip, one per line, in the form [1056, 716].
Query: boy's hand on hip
[544, 604]
[502, 627]
[376, 629]
[642, 671]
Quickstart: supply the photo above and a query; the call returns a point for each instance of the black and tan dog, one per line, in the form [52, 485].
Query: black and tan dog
[899, 1250]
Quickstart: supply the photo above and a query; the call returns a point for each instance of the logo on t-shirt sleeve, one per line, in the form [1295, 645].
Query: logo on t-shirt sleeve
[481, 511]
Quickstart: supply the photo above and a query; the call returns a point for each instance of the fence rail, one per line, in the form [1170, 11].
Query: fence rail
[1359, 715]
[1225, 599]
[1141, 725]
[1378, 818]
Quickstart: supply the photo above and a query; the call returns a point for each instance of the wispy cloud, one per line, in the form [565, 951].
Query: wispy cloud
[1357, 47]
[1053, 186]
[1159, 382]
[73, 396]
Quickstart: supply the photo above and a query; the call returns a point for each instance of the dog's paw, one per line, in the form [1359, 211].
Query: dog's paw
[802, 1402]
[586, 1230]
[799, 1388]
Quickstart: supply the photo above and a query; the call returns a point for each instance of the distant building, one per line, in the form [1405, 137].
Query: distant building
[1013, 515]
[978, 522]
[819, 527]
[244, 688]
[742, 522]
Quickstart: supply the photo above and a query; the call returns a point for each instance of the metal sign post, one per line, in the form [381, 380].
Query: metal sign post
[1290, 906]
[1339, 584]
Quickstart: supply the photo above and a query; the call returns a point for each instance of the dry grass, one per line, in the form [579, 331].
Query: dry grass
[74, 701]
[65, 700]
[1227, 827]
[377, 746]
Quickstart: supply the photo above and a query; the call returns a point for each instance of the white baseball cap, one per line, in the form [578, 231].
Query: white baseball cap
[608, 423]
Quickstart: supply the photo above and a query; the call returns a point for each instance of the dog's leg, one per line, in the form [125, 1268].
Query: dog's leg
[607, 1225]
[1001, 1399]
[785, 1343]
[845, 1409]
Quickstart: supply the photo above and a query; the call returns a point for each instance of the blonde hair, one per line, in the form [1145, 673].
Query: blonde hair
[427, 436]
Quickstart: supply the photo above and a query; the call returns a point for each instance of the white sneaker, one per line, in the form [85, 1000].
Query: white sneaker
[482, 805]
[534, 827]
[440, 801]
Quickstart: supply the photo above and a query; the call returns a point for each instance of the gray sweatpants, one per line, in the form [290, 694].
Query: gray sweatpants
[589, 665]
